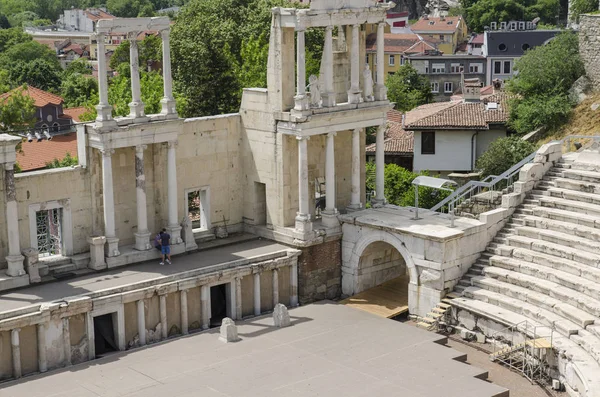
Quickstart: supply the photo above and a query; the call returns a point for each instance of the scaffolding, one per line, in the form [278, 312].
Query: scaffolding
[528, 354]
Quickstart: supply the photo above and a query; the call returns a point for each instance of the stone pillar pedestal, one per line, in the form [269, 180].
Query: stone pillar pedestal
[281, 317]
[257, 308]
[112, 247]
[228, 331]
[31, 264]
[97, 261]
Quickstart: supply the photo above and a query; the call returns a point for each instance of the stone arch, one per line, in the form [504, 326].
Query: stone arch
[350, 269]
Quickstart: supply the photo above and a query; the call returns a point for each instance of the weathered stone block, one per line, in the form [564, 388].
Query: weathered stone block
[531, 172]
[281, 317]
[228, 331]
[31, 264]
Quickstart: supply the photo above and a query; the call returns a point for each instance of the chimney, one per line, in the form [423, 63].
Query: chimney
[403, 119]
[472, 90]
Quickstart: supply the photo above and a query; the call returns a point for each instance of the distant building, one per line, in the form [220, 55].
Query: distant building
[398, 142]
[450, 31]
[475, 44]
[79, 20]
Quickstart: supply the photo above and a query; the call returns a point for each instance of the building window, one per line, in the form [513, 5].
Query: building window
[49, 232]
[391, 73]
[426, 67]
[507, 67]
[367, 59]
[475, 68]
[428, 142]
[392, 60]
[435, 87]
[456, 68]
[197, 201]
[502, 47]
[442, 37]
[403, 61]
[497, 67]
[438, 68]
[447, 87]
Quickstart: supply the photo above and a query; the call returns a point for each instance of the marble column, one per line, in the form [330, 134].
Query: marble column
[257, 310]
[275, 287]
[303, 221]
[354, 94]
[173, 227]
[109, 204]
[136, 106]
[66, 340]
[301, 102]
[141, 321]
[14, 258]
[328, 95]
[330, 214]
[16, 352]
[238, 298]
[380, 89]
[168, 102]
[205, 304]
[294, 285]
[142, 236]
[103, 109]
[163, 316]
[380, 166]
[355, 203]
[184, 312]
[41, 345]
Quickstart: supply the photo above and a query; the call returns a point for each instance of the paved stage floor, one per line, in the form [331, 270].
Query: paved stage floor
[388, 300]
[133, 273]
[330, 350]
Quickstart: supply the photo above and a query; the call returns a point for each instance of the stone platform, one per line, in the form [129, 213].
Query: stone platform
[330, 349]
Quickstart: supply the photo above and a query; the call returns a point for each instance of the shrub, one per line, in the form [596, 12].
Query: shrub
[502, 154]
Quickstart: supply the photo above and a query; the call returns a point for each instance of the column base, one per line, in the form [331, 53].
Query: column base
[97, 261]
[112, 247]
[329, 219]
[175, 232]
[301, 103]
[355, 96]
[329, 99]
[376, 203]
[168, 108]
[142, 241]
[137, 112]
[380, 92]
[104, 117]
[303, 223]
[15, 265]
[355, 207]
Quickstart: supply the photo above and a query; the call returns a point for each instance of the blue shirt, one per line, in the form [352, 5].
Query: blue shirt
[165, 239]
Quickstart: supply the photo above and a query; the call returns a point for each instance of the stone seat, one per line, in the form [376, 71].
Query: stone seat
[576, 185]
[581, 175]
[567, 216]
[576, 283]
[570, 205]
[589, 342]
[560, 226]
[560, 238]
[554, 249]
[549, 288]
[574, 195]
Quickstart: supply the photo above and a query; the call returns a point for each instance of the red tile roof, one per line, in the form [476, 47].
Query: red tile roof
[75, 113]
[477, 39]
[35, 154]
[398, 43]
[96, 14]
[436, 24]
[40, 97]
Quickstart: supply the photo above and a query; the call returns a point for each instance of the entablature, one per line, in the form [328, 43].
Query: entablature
[134, 134]
[301, 19]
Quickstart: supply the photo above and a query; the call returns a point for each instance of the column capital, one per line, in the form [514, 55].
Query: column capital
[172, 144]
[164, 34]
[303, 138]
[132, 36]
[9, 166]
[107, 152]
[356, 26]
[330, 27]
[331, 134]
[381, 24]
[140, 148]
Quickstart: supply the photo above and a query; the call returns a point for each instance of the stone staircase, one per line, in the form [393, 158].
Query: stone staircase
[57, 266]
[544, 267]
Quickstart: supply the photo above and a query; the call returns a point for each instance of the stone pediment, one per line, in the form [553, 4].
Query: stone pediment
[340, 4]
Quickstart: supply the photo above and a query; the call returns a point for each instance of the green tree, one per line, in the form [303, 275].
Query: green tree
[78, 89]
[149, 49]
[502, 154]
[17, 112]
[480, 13]
[127, 8]
[11, 37]
[408, 89]
[38, 73]
[79, 66]
[579, 7]
[4, 24]
[67, 161]
[4, 81]
[28, 51]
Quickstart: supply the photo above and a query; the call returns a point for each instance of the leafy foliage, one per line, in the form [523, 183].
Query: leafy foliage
[579, 7]
[408, 88]
[149, 49]
[17, 112]
[540, 88]
[38, 73]
[68, 161]
[79, 66]
[480, 13]
[502, 154]
[27, 52]
[78, 89]
[11, 37]
[128, 8]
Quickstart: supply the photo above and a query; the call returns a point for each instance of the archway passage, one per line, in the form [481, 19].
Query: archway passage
[383, 278]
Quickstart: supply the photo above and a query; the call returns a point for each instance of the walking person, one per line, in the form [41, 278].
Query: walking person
[165, 246]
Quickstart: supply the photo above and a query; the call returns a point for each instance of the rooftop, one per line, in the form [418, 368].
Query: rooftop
[399, 43]
[34, 155]
[436, 24]
[40, 97]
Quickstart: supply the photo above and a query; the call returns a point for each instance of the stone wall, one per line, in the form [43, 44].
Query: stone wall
[320, 272]
[589, 46]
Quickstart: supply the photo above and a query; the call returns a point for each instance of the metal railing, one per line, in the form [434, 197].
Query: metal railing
[506, 179]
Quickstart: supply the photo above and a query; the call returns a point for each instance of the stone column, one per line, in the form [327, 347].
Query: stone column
[355, 203]
[275, 287]
[205, 303]
[354, 95]
[294, 285]
[301, 102]
[303, 222]
[109, 203]
[141, 320]
[66, 340]
[16, 352]
[136, 106]
[380, 89]
[14, 258]
[168, 103]
[238, 298]
[184, 311]
[257, 310]
[330, 214]
[163, 316]
[380, 166]
[41, 345]
[142, 237]
[173, 227]
[103, 109]
[329, 92]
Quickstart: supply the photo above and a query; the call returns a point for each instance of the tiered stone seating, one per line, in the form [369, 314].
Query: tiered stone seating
[544, 267]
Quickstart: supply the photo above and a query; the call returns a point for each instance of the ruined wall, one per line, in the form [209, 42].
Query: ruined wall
[589, 46]
[319, 272]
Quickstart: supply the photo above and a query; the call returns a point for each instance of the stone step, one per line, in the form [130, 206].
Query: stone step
[570, 205]
[544, 287]
[537, 192]
[594, 329]
[524, 211]
[565, 239]
[81, 261]
[589, 342]
[565, 279]
[424, 325]
[60, 269]
[529, 206]
[458, 289]
[554, 173]
[567, 194]
[573, 229]
[53, 261]
[567, 216]
[531, 201]
[585, 166]
[561, 166]
[464, 282]
[546, 317]
[579, 186]
[582, 175]
[557, 250]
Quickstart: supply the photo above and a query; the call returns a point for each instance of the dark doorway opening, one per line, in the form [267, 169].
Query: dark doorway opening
[218, 304]
[104, 335]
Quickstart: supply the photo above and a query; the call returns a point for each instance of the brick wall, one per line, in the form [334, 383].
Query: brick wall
[320, 272]
[589, 46]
